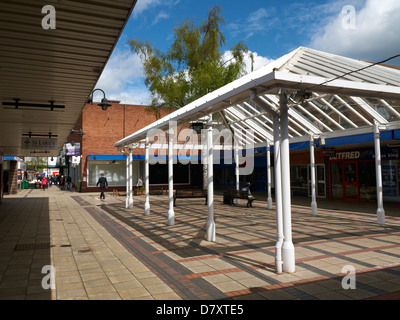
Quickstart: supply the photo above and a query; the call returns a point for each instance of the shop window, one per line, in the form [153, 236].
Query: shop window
[299, 180]
[391, 180]
[367, 180]
[159, 174]
[114, 171]
[337, 180]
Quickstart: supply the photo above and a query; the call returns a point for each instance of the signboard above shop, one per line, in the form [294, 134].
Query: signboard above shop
[39, 143]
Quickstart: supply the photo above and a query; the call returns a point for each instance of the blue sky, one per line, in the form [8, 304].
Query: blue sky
[270, 29]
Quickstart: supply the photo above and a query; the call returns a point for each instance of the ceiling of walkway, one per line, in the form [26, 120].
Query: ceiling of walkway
[58, 66]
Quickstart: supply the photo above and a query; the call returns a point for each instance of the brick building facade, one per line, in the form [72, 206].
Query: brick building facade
[98, 154]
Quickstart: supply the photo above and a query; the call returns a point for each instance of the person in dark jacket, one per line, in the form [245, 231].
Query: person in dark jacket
[103, 184]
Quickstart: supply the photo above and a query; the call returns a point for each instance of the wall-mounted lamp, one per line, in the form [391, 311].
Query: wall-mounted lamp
[104, 102]
[80, 132]
[197, 126]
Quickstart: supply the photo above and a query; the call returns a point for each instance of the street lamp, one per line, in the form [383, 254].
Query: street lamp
[104, 102]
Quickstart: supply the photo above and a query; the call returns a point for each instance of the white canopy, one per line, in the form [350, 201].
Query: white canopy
[329, 95]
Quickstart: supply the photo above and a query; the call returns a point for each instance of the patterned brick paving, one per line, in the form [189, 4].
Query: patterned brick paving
[241, 262]
[102, 250]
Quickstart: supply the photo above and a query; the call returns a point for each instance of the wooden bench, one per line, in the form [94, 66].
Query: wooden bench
[234, 194]
[190, 194]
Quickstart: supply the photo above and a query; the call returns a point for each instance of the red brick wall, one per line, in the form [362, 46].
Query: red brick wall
[104, 128]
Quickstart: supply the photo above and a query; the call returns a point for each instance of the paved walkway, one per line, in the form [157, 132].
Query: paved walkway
[100, 250]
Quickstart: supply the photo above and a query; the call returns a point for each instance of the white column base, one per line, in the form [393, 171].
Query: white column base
[288, 257]
[380, 213]
[210, 229]
[147, 209]
[171, 217]
[269, 203]
[314, 208]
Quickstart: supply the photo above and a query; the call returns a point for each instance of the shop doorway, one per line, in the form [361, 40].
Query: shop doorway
[350, 180]
[344, 180]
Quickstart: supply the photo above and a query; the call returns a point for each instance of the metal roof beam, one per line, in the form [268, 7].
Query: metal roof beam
[366, 107]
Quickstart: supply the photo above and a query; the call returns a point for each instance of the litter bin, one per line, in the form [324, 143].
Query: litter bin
[26, 184]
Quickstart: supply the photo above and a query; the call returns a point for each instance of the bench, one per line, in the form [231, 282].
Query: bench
[234, 194]
[190, 194]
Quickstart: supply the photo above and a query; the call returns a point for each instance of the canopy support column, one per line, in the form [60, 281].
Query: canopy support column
[278, 195]
[147, 179]
[269, 175]
[171, 213]
[380, 212]
[237, 171]
[287, 247]
[129, 196]
[314, 209]
[210, 227]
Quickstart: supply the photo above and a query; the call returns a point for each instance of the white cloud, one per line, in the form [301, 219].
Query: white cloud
[123, 79]
[375, 36]
[258, 61]
[143, 5]
[258, 21]
[160, 16]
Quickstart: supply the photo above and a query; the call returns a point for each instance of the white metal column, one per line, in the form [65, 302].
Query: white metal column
[287, 247]
[129, 180]
[147, 179]
[237, 170]
[171, 213]
[278, 196]
[269, 175]
[313, 184]
[380, 212]
[210, 227]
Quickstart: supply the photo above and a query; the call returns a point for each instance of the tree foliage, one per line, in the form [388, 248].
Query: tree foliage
[193, 66]
[37, 164]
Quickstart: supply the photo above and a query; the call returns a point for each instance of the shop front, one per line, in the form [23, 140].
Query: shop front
[353, 176]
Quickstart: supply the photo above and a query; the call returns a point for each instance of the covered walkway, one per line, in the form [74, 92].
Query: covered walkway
[101, 250]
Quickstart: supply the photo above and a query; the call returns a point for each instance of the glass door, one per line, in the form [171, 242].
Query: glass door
[350, 180]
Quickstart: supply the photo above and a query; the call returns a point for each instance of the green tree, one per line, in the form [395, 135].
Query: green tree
[37, 164]
[193, 66]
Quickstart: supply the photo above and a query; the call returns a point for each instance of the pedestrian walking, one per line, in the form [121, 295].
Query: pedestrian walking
[69, 182]
[44, 183]
[250, 197]
[62, 182]
[103, 184]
